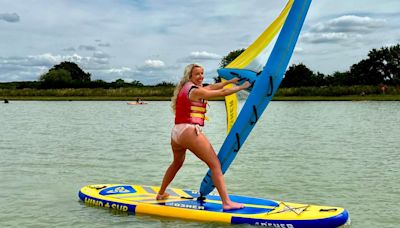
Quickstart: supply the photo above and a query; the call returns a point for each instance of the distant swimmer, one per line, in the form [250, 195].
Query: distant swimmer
[139, 101]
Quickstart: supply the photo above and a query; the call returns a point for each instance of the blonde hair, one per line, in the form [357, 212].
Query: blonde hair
[187, 74]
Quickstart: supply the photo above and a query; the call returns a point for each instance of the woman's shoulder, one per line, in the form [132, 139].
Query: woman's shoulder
[190, 85]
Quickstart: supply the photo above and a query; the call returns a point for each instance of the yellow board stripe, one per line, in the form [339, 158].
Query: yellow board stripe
[181, 193]
[140, 190]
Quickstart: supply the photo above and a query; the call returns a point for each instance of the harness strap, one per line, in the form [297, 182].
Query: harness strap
[198, 115]
[198, 109]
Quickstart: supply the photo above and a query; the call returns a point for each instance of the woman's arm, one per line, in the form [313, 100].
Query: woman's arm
[204, 93]
[221, 85]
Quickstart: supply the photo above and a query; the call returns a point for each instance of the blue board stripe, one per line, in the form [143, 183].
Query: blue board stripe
[237, 198]
[216, 207]
[120, 189]
[331, 222]
[248, 200]
[92, 201]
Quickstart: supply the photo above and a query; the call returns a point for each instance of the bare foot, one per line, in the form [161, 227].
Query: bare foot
[232, 206]
[162, 196]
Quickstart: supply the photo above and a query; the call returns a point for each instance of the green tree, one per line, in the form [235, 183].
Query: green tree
[393, 65]
[230, 57]
[318, 79]
[99, 84]
[119, 83]
[63, 75]
[136, 83]
[339, 78]
[166, 84]
[298, 75]
[56, 78]
[381, 66]
[77, 73]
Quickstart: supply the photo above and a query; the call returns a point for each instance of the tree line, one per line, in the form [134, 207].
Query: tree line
[70, 75]
[381, 67]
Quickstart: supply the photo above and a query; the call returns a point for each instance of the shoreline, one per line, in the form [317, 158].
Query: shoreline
[156, 98]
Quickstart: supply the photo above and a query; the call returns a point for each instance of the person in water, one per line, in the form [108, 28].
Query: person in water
[189, 105]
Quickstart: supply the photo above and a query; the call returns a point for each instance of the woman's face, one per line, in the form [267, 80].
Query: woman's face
[197, 75]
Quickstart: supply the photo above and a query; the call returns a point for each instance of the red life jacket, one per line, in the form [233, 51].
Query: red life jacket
[188, 111]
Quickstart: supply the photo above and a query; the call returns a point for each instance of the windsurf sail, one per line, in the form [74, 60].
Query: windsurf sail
[253, 58]
[265, 83]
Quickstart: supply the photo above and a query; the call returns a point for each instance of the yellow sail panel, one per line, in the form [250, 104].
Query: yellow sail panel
[262, 41]
[231, 108]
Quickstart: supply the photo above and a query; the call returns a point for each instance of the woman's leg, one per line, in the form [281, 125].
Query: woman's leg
[201, 147]
[179, 157]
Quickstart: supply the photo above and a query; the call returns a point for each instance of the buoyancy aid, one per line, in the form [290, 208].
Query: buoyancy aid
[188, 111]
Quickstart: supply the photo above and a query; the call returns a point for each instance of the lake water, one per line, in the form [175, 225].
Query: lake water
[329, 153]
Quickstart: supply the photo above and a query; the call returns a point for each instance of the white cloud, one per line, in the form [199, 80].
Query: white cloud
[69, 49]
[298, 49]
[153, 64]
[104, 45]
[343, 29]
[327, 37]
[101, 55]
[87, 47]
[9, 17]
[113, 74]
[203, 55]
[121, 70]
[349, 24]
[200, 57]
[155, 40]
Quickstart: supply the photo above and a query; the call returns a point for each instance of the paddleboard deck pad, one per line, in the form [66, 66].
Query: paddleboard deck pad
[184, 204]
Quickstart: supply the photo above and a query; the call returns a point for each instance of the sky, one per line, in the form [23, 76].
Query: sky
[152, 41]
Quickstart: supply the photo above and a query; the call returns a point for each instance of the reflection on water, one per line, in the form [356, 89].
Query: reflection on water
[331, 153]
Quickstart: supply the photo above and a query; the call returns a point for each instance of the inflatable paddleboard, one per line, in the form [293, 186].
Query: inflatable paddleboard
[183, 204]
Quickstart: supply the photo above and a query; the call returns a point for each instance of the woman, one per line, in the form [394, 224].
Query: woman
[189, 104]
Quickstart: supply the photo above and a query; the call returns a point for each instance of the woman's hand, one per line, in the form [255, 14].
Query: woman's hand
[245, 85]
[204, 93]
[234, 80]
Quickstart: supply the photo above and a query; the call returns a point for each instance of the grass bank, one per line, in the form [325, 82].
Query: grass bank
[339, 98]
[164, 93]
[160, 98]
